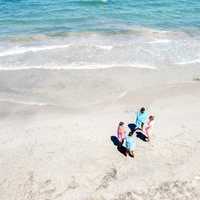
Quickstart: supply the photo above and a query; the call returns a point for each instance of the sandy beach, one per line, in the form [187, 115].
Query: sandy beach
[56, 128]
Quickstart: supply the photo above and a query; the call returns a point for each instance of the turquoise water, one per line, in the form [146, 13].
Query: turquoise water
[34, 33]
[61, 16]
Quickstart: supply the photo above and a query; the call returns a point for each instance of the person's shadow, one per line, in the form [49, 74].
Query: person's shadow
[132, 127]
[138, 132]
[141, 136]
[117, 143]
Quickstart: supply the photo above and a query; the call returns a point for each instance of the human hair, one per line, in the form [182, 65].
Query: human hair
[121, 123]
[151, 117]
[130, 134]
[142, 109]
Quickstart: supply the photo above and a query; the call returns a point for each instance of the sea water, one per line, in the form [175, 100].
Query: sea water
[80, 34]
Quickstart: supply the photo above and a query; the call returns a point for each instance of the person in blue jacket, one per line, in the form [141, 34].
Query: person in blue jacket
[141, 117]
[129, 144]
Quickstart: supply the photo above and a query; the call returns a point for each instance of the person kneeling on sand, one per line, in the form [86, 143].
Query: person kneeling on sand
[129, 144]
[148, 127]
[121, 132]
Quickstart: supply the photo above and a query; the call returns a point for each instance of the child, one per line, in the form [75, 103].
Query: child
[148, 127]
[121, 133]
[129, 144]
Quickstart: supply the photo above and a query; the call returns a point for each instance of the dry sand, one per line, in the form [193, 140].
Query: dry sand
[56, 128]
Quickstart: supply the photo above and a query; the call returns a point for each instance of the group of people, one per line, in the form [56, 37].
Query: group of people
[141, 124]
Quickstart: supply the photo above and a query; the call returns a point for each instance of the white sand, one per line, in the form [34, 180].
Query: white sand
[56, 128]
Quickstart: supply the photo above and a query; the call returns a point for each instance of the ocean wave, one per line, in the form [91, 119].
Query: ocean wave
[108, 47]
[22, 50]
[120, 30]
[160, 41]
[91, 2]
[139, 47]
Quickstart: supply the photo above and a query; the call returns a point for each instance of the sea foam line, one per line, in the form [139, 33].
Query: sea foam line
[79, 67]
[22, 50]
[159, 41]
[25, 102]
[189, 62]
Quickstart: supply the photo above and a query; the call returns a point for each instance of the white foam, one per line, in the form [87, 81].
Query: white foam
[25, 102]
[79, 67]
[195, 61]
[105, 47]
[22, 50]
[122, 94]
[160, 41]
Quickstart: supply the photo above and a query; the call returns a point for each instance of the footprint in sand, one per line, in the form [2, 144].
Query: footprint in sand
[107, 179]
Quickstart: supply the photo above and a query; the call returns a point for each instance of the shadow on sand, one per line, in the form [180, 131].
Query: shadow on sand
[138, 132]
[141, 136]
[117, 143]
[132, 127]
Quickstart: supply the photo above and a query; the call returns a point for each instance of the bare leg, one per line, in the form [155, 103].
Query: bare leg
[147, 135]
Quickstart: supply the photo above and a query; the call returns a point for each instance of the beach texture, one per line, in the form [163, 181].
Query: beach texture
[70, 71]
[56, 128]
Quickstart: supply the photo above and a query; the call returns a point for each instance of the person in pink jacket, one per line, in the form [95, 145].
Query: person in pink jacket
[121, 132]
[148, 127]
